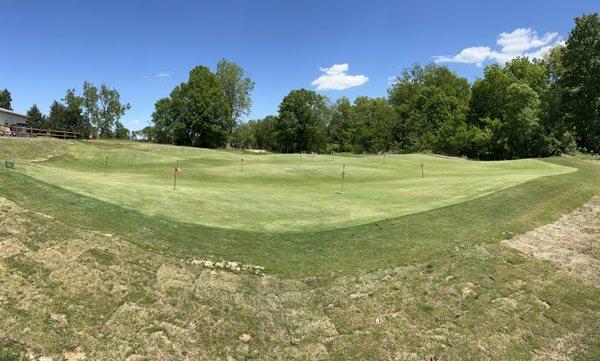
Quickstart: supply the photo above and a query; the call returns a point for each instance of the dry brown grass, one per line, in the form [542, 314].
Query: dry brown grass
[572, 243]
[69, 293]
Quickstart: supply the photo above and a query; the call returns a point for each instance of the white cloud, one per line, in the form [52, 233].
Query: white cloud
[136, 122]
[522, 42]
[335, 78]
[163, 74]
[473, 55]
[541, 52]
[523, 39]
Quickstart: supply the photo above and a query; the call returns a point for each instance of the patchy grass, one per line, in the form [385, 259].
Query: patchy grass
[83, 277]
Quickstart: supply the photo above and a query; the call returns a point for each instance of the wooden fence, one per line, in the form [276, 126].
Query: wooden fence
[27, 132]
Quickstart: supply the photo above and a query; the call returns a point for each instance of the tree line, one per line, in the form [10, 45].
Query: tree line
[526, 108]
[94, 113]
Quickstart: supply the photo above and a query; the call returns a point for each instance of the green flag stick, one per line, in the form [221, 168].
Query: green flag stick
[274, 159]
[422, 171]
[242, 163]
[105, 165]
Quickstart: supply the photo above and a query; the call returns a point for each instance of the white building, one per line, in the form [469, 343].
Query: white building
[8, 117]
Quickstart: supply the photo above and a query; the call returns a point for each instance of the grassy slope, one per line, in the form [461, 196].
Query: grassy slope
[435, 283]
[295, 194]
[67, 291]
[399, 241]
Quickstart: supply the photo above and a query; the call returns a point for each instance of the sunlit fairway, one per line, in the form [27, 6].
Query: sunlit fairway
[276, 193]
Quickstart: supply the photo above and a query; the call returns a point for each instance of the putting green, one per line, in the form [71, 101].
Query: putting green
[282, 193]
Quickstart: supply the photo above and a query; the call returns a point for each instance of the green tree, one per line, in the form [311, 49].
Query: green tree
[244, 135]
[555, 124]
[340, 130]
[144, 134]
[35, 118]
[121, 132]
[302, 121]
[237, 88]
[68, 115]
[371, 125]
[103, 108]
[580, 81]
[514, 103]
[426, 100]
[265, 133]
[163, 120]
[523, 134]
[5, 99]
[488, 95]
[195, 114]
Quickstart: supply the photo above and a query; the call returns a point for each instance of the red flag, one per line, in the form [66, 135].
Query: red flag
[177, 170]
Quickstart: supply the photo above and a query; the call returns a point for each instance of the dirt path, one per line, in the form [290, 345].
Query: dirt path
[572, 243]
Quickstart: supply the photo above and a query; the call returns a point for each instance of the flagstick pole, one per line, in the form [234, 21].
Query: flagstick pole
[175, 175]
[105, 165]
[343, 174]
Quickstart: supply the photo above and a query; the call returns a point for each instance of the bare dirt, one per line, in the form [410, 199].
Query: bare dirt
[572, 243]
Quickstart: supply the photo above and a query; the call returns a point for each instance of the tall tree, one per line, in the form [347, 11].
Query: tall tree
[35, 118]
[302, 121]
[372, 125]
[521, 126]
[68, 115]
[237, 88]
[196, 113]
[425, 99]
[560, 130]
[580, 81]
[340, 130]
[265, 133]
[5, 99]
[103, 108]
[144, 134]
[244, 135]
[121, 132]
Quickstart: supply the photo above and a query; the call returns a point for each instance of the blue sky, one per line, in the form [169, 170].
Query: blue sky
[145, 48]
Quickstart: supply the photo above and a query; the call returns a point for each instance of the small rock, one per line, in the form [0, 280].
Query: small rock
[245, 337]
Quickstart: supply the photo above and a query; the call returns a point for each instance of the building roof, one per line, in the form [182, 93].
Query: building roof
[6, 111]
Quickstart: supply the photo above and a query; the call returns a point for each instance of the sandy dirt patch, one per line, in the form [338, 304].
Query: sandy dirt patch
[572, 242]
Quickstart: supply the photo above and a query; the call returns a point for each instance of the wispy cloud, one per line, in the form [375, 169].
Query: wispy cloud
[336, 78]
[163, 74]
[136, 122]
[522, 42]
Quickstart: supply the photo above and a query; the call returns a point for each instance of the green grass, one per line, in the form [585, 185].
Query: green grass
[281, 193]
[401, 240]
[433, 282]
